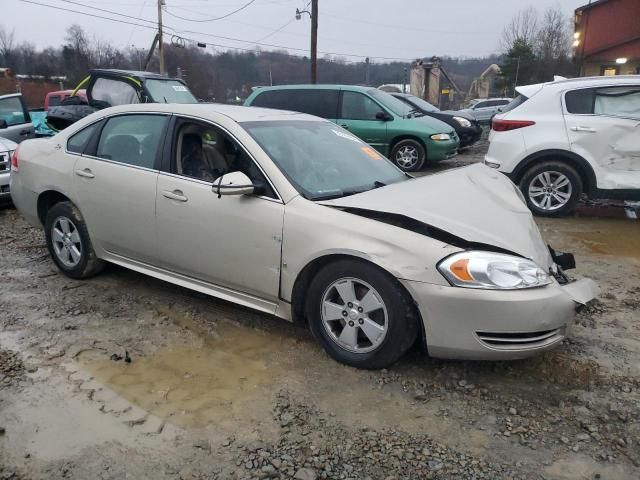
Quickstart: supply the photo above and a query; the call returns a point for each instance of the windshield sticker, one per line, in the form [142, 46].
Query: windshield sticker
[179, 88]
[372, 153]
[345, 135]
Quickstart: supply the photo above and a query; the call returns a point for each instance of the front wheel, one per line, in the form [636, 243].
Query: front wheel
[551, 189]
[409, 155]
[360, 315]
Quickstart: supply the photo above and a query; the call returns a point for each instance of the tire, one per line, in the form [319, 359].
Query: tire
[551, 188]
[408, 155]
[68, 242]
[388, 306]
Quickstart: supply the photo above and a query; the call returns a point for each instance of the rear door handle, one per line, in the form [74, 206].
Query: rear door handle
[583, 129]
[175, 195]
[86, 173]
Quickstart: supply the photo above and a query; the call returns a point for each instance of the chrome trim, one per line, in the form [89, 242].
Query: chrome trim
[115, 162]
[510, 341]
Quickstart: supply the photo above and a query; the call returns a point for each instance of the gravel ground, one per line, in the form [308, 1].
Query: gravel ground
[124, 376]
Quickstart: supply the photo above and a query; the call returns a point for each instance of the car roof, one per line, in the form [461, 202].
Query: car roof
[237, 113]
[564, 83]
[353, 88]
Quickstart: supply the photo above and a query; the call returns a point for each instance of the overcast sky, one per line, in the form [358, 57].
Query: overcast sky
[402, 29]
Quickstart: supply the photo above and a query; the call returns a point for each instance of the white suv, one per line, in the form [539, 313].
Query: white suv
[561, 139]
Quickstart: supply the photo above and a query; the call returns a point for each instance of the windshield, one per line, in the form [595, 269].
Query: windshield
[321, 160]
[392, 103]
[169, 91]
[422, 104]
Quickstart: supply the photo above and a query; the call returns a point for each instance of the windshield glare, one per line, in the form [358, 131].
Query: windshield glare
[390, 102]
[322, 160]
[169, 91]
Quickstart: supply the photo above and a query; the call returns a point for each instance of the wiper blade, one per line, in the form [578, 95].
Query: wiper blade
[415, 113]
[378, 184]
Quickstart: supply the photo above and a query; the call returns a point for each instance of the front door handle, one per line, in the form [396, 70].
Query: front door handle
[346, 127]
[86, 173]
[583, 129]
[175, 195]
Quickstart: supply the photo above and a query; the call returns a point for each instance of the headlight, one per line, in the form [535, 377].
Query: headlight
[462, 121]
[494, 271]
[440, 136]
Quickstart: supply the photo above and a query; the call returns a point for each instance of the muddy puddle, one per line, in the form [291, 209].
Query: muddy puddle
[602, 236]
[195, 385]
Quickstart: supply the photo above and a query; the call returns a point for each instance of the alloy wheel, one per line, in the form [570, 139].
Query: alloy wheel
[550, 190]
[354, 315]
[66, 242]
[407, 157]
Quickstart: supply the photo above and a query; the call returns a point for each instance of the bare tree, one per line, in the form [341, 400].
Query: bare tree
[553, 39]
[7, 46]
[523, 28]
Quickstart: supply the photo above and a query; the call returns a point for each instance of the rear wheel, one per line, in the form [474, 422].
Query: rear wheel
[409, 155]
[68, 242]
[551, 188]
[360, 315]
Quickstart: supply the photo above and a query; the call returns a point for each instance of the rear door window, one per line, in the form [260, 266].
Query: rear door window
[609, 101]
[78, 141]
[132, 139]
[321, 103]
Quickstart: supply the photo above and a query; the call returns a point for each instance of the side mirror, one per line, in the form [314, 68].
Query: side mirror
[384, 116]
[3, 123]
[234, 183]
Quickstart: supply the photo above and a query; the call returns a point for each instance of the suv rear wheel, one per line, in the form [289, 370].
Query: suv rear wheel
[551, 188]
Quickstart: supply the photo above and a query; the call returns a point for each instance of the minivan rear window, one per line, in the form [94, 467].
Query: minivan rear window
[321, 103]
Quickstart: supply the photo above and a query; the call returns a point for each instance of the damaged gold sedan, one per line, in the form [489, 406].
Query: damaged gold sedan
[294, 216]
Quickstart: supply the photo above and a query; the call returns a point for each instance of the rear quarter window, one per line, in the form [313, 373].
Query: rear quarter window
[321, 103]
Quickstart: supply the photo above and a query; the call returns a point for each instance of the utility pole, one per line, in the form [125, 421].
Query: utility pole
[314, 41]
[160, 41]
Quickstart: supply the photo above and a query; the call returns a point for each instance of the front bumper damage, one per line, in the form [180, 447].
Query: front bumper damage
[470, 324]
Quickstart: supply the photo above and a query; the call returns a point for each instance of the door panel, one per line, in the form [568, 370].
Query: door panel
[117, 202]
[231, 241]
[358, 115]
[603, 126]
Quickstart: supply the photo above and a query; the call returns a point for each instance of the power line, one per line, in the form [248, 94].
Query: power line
[106, 11]
[210, 19]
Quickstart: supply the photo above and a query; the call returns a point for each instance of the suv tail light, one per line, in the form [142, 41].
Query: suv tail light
[14, 160]
[506, 125]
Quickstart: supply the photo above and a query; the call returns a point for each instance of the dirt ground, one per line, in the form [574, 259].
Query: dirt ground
[127, 377]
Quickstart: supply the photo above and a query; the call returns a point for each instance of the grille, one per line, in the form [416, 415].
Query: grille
[5, 161]
[520, 340]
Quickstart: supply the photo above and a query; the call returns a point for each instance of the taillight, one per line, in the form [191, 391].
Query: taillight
[14, 160]
[506, 125]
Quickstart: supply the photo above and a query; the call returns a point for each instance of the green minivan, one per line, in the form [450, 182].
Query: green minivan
[384, 122]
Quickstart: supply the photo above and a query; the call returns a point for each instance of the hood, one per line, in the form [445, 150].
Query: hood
[474, 203]
[6, 144]
[458, 113]
[438, 126]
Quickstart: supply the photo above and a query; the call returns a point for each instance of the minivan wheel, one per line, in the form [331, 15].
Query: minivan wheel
[360, 315]
[409, 155]
[551, 189]
[68, 242]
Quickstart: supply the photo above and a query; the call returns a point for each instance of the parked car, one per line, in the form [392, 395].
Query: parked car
[7, 148]
[15, 122]
[483, 109]
[384, 122]
[467, 127]
[561, 139]
[109, 88]
[294, 216]
[55, 99]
